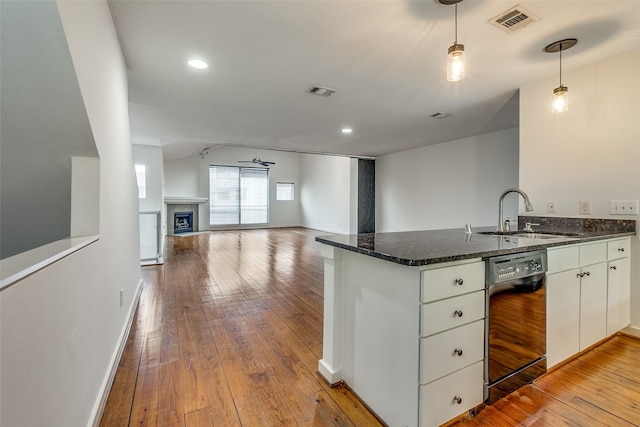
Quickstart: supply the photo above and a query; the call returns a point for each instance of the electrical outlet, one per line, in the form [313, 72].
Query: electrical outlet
[121, 297]
[623, 207]
[551, 206]
[585, 207]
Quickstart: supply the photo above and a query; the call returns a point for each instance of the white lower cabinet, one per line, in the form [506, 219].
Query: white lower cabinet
[587, 296]
[619, 285]
[451, 341]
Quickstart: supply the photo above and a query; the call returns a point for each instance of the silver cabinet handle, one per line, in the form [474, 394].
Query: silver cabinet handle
[620, 249]
[587, 274]
[458, 282]
[457, 352]
[580, 275]
[457, 399]
[613, 267]
[457, 313]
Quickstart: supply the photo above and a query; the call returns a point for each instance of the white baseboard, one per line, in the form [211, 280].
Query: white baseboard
[328, 373]
[632, 330]
[105, 388]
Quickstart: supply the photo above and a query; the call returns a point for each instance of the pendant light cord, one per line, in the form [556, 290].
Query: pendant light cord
[455, 39]
[560, 64]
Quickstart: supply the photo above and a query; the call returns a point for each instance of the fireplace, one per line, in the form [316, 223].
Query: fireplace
[182, 222]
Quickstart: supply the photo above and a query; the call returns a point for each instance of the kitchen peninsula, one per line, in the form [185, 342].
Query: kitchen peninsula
[404, 312]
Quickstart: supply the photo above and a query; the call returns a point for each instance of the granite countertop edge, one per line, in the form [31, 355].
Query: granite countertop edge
[456, 253]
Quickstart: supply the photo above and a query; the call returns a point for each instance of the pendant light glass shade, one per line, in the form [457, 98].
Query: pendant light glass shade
[560, 99]
[455, 55]
[455, 63]
[561, 93]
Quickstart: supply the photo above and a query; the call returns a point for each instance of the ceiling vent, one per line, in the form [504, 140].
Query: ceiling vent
[513, 19]
[321, 91]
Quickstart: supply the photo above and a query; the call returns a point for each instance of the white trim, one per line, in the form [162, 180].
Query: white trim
[105, 387]
[184, 200]
[327, 372]
[17, 267]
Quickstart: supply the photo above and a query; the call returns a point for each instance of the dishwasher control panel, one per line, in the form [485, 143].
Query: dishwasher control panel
[515, 266]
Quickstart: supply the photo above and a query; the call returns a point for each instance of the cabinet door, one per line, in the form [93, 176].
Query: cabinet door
[451, 396]
[620, 248]
[593, 304]
[446, 352]
[563, 315]
[451, 313]
[618, 295]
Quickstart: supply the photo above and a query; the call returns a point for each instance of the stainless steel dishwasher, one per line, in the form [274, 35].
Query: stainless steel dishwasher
[515, 335]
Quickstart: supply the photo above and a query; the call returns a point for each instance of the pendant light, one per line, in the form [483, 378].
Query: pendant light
[561, 93]
[455, 60]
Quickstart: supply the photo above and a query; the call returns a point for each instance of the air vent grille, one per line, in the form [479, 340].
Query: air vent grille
[513, 19]
[321, 91]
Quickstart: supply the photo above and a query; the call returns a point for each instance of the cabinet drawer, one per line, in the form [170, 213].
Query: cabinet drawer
[620, 248]
[592, 253]
[445, 282]
[449, 351]
[450, 313]
[563, 258]
[439, 400]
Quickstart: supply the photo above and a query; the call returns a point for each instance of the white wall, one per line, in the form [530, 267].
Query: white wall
[150, 244]
[189, 177]
[151, 157]
[85, 196]
[61, 327]
[326, 193]
[448, 185]
[591, 152]
[44, 125]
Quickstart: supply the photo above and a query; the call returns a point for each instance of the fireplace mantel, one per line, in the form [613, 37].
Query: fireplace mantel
[185, 200]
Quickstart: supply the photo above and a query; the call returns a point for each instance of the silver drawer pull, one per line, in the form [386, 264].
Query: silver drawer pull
[613, 267]
[587, 274]
[620, 249]
[457, 399]
[457, 352]
[580, 275]
[457, 313]
[458, 282]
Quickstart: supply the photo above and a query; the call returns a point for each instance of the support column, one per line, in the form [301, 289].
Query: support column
[330, 366]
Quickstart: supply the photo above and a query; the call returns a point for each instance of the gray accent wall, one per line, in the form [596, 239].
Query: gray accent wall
[43, 124]
[366, 196]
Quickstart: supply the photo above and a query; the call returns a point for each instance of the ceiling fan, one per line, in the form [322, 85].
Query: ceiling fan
[257, 160]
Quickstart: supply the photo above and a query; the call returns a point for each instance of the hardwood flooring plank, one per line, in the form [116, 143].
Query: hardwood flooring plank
[144, 409]
[199, 418]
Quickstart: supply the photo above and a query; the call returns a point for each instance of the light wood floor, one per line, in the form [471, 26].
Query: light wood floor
[228, 332]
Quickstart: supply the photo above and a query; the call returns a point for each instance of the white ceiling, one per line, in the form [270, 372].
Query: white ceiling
[386, 59]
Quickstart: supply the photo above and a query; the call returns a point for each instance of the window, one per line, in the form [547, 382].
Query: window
[141, 177]
[238, 195]
[285, 191]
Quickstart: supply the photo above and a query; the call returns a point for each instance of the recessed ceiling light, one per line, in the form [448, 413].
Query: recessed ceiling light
[198, 63]
[347, 130]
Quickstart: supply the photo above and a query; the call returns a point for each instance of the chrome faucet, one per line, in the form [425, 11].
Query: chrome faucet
[528, 207]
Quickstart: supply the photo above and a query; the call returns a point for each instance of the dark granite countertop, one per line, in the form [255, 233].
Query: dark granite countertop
[415, 248]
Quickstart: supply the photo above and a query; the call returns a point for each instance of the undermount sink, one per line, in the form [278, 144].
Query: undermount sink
[530, 234]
